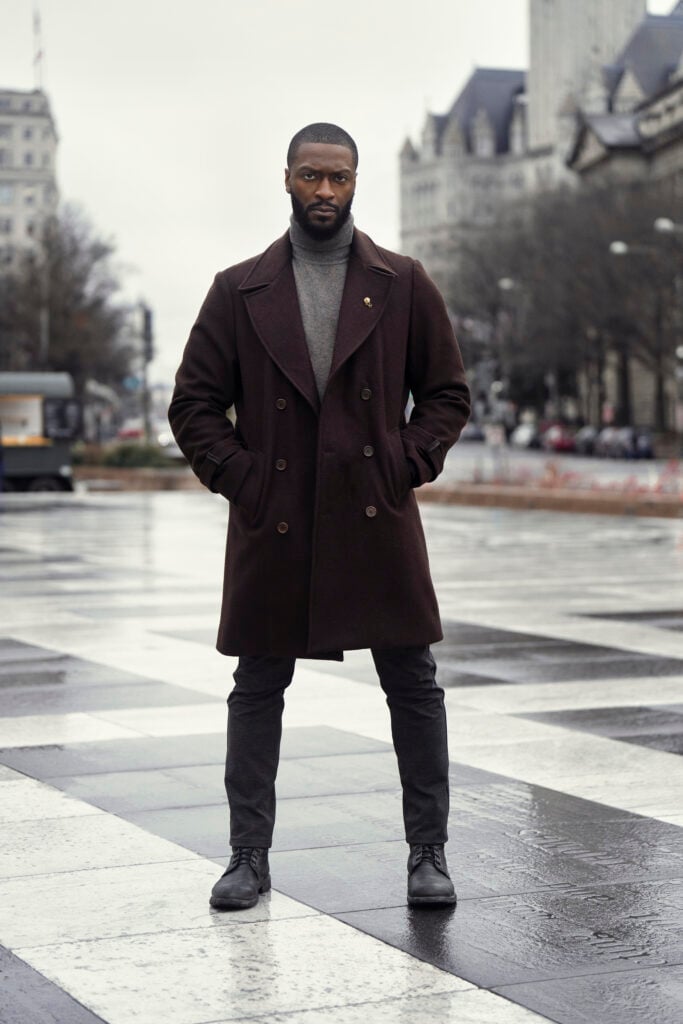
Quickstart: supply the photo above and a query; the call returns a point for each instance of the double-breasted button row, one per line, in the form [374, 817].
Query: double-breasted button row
[368, 451]
[280, 403]
[371, 511]
[281, 464]
[365, 394]
[282, 527]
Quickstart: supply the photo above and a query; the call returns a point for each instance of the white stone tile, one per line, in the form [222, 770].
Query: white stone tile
[28, 800]
[39, 730]
[474, 1006]
[31, 848]
[108, 902]
[9, 775]
[524, 698]
[191, 976]
[181, 720]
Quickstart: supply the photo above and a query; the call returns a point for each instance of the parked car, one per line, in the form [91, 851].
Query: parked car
[525, 436]
[558, 438]
[585, 440]
[472, 432]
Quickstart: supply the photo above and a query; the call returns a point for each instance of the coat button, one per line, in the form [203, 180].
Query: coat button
[371, 511]
[282, 527]
[368, 451]
[281, 464]
[366, 394]
[281, 403]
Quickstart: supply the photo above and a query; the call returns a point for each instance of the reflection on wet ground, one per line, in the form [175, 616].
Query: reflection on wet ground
[563, 666]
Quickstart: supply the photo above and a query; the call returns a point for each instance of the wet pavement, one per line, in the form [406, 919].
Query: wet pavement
[563, 666]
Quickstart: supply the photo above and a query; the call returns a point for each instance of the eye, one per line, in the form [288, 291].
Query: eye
[341, 178]
[308, 176]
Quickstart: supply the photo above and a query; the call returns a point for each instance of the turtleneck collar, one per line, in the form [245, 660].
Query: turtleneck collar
[328, 250]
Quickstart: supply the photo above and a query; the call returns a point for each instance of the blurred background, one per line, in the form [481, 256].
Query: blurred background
[530, 154]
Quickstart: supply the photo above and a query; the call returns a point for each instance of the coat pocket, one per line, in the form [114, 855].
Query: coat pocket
[250, 497]
[399, 470]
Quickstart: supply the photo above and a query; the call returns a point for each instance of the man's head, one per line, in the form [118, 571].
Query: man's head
[321, 178]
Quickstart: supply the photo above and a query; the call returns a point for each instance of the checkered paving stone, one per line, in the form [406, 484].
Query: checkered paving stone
[562, 661]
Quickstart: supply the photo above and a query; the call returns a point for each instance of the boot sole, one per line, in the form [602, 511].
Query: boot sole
[433, 901]
[233, 903]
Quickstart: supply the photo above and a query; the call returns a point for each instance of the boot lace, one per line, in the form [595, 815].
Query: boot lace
[430, 853]
[245, 855]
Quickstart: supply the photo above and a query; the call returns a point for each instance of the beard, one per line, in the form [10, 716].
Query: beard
[320, 232]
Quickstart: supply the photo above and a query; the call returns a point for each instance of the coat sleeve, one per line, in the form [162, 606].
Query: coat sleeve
[205, 388]
[436, 378]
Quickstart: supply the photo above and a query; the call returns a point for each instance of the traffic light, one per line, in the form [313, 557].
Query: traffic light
[147, 334]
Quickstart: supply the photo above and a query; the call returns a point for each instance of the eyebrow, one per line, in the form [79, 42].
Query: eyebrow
[316, 170]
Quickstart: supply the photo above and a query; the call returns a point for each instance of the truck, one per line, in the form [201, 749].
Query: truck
[40, 418]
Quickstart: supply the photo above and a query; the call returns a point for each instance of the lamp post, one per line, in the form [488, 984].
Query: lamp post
[666, 226]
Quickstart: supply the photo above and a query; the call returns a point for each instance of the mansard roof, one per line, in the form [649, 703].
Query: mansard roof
[651, 54]
[492, 90]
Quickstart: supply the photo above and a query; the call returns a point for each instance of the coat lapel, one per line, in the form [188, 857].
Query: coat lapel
[269, 292]
[369, 279]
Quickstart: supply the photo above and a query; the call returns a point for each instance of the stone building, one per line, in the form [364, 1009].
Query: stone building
[28, 186]
[601, 103]
[508, 132]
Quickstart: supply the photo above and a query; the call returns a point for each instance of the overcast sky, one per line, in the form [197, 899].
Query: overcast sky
[174, 117]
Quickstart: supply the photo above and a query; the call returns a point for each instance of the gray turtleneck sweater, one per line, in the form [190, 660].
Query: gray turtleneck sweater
[320, 272]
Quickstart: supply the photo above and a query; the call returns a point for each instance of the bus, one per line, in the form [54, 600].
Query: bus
[39, 419]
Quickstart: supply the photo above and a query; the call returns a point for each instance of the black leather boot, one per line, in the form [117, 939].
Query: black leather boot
[428, 878]
[245, 877]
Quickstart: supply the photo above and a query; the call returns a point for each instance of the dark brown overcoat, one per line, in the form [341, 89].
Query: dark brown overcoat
[325, 547]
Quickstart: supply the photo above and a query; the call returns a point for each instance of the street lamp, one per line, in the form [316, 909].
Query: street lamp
[666, 226]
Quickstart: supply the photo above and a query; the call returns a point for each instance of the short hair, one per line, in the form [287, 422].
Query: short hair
[321, 131]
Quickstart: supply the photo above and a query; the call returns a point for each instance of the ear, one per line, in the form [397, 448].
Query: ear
[287, 186]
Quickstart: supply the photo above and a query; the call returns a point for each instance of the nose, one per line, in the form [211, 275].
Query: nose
[324, 190]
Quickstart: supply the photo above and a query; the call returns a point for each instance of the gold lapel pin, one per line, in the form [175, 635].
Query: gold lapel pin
[368, 301]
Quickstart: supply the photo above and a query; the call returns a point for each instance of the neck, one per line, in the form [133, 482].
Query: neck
[339, 241]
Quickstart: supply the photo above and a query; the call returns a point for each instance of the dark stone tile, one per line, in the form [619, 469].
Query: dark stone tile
[116, 755]
[323, 740]
[634, 997]
[668, 619]
[336, 879]
[26, 997]
[150, 752]
[62, 670]
[204, 830]
[301, 823]
[51, 700]
[157, 789]
[671, 743]
[461, 634]
[131, 791]
[618, 722]
[620, 664]
[660, 727]
[16, 650]
[504, 839]
[557, 933]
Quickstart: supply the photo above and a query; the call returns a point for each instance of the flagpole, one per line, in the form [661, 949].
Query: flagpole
[37, 50]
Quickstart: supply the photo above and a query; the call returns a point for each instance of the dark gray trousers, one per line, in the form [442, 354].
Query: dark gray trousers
[418, 727]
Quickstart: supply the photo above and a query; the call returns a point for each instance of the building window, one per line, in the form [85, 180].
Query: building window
[29, 198]
[5, 225]
[5, 158]
[5, 103]
[28, 159]
[5, 131]
[6, 195]
[46, 159]
[30, 228]
[28, 133]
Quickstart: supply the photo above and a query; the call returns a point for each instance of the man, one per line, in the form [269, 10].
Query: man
[317, 343]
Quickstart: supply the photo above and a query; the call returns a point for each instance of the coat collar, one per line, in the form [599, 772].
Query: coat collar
[269, 292]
